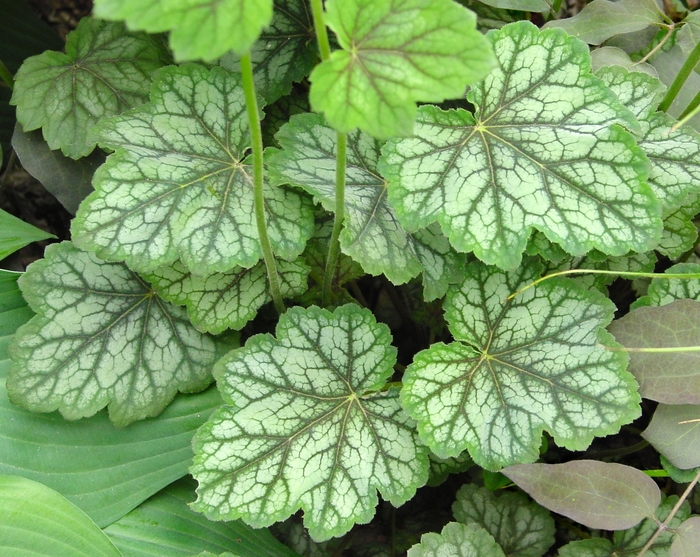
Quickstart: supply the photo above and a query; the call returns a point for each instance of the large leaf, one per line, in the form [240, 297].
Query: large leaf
[596, 494]
[104, 71]
[541, 151]
[674, 431]
[102, 338]
[15, 234]
[307, 426]
[178, 188]
[460, 540]
[517, 368]
[203, 29]
[394, 53]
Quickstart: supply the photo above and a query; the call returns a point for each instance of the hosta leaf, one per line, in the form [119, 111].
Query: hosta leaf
[203, 29]
[522, 528]
[15, 234]
[394, 53]
[104, 71]
[306, 427]
[674, 431]
[460, 540]
[519, 367]
[597, 494]
[178, 187]
[225, 300]
[101, 337]
[285, 52]
[541, 152]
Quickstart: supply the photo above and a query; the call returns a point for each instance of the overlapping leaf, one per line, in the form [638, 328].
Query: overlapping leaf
[307, 428]
[394, 53]
[15, 234]
[464, 540]
[178, 188]
[680, 233]
[105, 71]
[203, 29]
[518, 367]
[101, 337]
[674, 431]
[542, 151]
[664, 291]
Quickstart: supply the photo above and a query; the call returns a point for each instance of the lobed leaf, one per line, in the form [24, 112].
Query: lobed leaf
[463, 540]
[679, 232]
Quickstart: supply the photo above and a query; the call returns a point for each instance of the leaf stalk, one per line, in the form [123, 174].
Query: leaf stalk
[680, 79]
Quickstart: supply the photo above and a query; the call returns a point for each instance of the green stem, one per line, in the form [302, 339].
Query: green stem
[680, 79]
[256, 142]
[691, 109]
[324, 45]
[6, 75]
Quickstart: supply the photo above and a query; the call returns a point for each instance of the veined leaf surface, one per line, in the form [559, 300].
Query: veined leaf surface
[307, 426]
[464, 540]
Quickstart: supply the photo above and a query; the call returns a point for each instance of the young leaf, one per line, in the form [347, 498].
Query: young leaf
[674, 431]
[15, 234]
[522, 528]
[665, 291]
[394, 53]
[541, 152]
[101, 337]
[687, 540]
[464, 540]
[203, 29]
[178, 188]
[307, 428]
[105, 71]
[680, 233]
[597, 494]
[519, 367]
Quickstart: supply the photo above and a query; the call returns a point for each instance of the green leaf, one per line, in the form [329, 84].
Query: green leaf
[680, 233]
[597, 494]
[394, 53]
[285, 52]
[522, 528]
[541, 152]
[178, 188]
[105, 71]
[517, 368]
[102, 338]
[225, 300]
[520, 5]
[592, 547]
[674, 431]
[15, 234]
[664, 291]
[687, 540]
[165, 525]
[203, 29]
[460, 540]
[601, 19]
[613, 56]
[307, 428]
[441, 468]
[36, 521]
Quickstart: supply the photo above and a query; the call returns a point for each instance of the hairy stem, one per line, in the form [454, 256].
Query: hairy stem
[257, 146]
[680, 79]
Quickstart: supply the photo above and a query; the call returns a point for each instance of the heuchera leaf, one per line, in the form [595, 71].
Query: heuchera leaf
[101, 337]
[541, 151]
[597, 494]
[519, 367]
[105, 71]
[307, 426]
[680, 233]
[674, 431]
[394, 53]
[178, 188]
[521, 528]
[199, 29]
[665, 291]
[464, 540]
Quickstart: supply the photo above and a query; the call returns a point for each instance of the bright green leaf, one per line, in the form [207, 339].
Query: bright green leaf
[687, 540]
[680, 233]
[541, 152]
[674, 431]
[394, 53]
[522, 528]
[592, 547]
[105, 71]
[178, 188]
[597, 494]
[665, 291]
[35, 521]
[307, 428]
[458, 540]
[203, 29]
[517, 368]
[15, 234]
[102, 338]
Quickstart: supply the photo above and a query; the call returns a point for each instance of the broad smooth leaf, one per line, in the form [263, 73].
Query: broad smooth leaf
[542, 151]
[522, 528]
[394, 53]
[308, 427]
[674, 431]
[15, 234]
[668, 377]
[203, 29]
[165, 525]
[177, 188]
[687, 540]
[460, 540]
[517, 368]
[38, 522]
[597, 494]
[102, 338]
[105, 71]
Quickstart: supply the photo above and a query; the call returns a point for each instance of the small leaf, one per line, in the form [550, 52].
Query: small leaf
[462, 540]
[680, 233]
[665, 291]
[441, 468]
[687, 541]
[597, 494]
[105, 71]
[394, 53]
[307, 427]
[592, 547]
[674, 431]
[15, 234]
[102, 338]
[521, 5]
[203, 29]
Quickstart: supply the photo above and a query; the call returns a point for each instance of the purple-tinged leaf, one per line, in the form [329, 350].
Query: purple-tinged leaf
[674, 431]
[687, 542]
